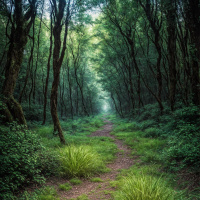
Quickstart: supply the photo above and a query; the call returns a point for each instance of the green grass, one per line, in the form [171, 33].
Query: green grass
[48, 193]
[146, 175]
[145, 187]
[96, 179]
[80, 161]
[76, 132]
[149, 149]
[82, 197]
[65, 187]
[75, 181]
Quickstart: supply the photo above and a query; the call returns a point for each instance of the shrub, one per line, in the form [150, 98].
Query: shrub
[23, 159]
[19, 155]
[147, 124]
[184, 148]
[153, 132]
[79, 161]
[145, 187]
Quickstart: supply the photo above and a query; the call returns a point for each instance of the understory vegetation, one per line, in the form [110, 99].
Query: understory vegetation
[33, 156]
[162, 154]
[66, 64]
[169, 154]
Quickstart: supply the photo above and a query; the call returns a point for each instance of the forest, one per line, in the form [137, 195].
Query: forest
[100, 99]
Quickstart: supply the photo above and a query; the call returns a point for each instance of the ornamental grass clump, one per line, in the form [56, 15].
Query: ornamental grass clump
[80, 161]
[145, 187]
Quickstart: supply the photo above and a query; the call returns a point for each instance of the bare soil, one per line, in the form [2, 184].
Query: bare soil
[100, 190]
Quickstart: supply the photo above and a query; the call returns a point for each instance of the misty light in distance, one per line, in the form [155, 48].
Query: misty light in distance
[105, 107]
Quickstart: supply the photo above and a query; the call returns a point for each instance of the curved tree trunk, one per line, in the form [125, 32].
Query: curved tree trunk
[21, 25]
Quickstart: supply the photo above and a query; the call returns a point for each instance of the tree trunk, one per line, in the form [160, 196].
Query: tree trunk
[47, 78]
[192, 10]
[171, 29]
[58, 56]
[18, 38]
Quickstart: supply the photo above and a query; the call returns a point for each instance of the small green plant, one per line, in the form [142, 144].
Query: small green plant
[65, 187]
[48, 193]
[152, 132]
[82, 197]
[108, 192]
[96, 179]
[79, 161]
[75, 181]
[114, 184]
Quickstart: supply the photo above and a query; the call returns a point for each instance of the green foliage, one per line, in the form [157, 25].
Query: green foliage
[65, 187]
[82, 197]
[148, 149]
[96, 179]
[23, 159]
[19, 157]
[153, 132]
[48, 193]
[79, 161]
[75, 181]
[146, 187]
[34, 113]
[124, 126]
[183, 148]
[114, 184]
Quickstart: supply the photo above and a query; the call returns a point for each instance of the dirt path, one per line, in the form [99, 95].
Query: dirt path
[102, 190]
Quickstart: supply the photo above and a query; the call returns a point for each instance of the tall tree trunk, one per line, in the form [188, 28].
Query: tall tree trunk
[58, 56]
[37, 58]
[171, 29]
[48, 71]
[18, 39]
[70, 92]
[81, 90]
[192, 10]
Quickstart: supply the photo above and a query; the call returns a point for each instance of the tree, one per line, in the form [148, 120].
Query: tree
[21, 20]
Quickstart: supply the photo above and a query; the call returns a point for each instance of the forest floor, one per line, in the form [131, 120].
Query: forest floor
[102, 189]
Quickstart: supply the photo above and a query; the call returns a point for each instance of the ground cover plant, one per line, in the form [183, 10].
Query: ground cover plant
[63, 62]
[38, 154]
[166, 146]
[79, 161]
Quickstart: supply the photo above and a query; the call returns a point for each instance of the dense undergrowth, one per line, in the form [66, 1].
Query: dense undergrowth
[168, 149]
[167, 145]
[32, 156]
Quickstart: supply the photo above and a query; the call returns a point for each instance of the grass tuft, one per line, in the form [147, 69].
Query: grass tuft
[65, 187]
[145, 187]
[96, 179]
[82, 197]
[75, 181]
[48, 193]
[80, 161]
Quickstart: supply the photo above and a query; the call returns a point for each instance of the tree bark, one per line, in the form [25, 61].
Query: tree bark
[48, 71]
[18, 39]
[58, 56]
[171, 47]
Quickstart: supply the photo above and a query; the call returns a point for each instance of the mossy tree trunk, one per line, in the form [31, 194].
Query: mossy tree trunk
[58, 56]
[21, 24]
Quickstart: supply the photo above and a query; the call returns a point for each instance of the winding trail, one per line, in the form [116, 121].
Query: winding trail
[102, 190]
